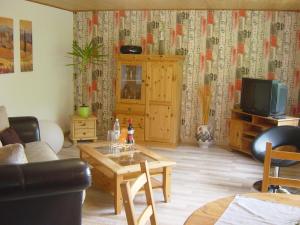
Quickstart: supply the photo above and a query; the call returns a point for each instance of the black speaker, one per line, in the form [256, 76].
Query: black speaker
[131, 49]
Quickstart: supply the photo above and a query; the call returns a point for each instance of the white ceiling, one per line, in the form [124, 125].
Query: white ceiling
[89, 5]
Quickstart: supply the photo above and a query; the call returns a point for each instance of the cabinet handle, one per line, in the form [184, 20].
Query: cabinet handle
[143, 81]
[147, 85]
[83, 133]
[147, 114]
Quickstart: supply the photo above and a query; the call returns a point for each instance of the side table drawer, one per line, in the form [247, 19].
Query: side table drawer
[84, 133]
[83, 128]
[84, 124]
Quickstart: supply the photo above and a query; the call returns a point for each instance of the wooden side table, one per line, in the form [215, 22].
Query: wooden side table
[83, 128]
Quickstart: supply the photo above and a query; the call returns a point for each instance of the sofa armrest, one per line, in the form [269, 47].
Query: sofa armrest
[43, 179]
[27, 127]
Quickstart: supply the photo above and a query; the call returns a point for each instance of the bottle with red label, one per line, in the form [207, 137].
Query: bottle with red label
[130, 132]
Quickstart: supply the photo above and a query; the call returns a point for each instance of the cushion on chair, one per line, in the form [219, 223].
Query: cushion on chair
[10, 136]
[39, 151]
[12, 154]
[278, 136]
[52, 134]
[3, 119]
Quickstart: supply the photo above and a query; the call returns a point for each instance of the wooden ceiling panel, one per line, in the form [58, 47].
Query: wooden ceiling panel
[89, 5]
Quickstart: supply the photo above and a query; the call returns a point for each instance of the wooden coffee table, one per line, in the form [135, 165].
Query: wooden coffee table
[110, 170]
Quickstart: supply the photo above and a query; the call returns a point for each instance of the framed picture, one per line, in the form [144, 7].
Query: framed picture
[26, 45]
[6, 45]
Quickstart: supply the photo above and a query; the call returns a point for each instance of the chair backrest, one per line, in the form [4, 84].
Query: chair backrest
[130, 190]
[282, 155]
[279, 136]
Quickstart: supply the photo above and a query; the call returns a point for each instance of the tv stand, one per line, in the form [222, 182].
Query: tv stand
[279, 117]
[244, 127]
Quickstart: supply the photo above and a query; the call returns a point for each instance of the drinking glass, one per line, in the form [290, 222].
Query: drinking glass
[111, 139]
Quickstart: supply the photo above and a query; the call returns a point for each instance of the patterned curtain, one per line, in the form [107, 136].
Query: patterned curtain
[220, 48]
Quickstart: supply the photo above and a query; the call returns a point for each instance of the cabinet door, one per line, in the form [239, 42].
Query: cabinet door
[130, 86]
[158, 123]
[159, 101]
[159, 82]
[236, 133]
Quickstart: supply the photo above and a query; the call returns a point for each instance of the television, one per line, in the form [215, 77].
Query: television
[263, 97]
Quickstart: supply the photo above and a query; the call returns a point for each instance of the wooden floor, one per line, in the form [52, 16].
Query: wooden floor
[201, 175]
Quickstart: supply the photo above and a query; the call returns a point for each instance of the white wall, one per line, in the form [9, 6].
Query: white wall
[47, 92]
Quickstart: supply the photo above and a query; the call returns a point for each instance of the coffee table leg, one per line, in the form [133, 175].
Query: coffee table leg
[167, 183]
[117, 194]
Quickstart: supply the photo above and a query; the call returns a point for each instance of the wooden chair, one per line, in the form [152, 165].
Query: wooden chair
[279, 155]
[130, 190]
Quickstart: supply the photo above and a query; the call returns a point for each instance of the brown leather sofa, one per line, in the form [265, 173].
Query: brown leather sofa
[41, 193]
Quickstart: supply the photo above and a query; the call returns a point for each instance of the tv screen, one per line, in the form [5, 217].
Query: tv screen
[264, 97]
[256, 95]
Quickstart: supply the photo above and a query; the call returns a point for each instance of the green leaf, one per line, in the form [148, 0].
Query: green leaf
[72, 64]
[90, 53]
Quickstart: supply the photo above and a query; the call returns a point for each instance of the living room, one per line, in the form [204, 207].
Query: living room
[199, 131]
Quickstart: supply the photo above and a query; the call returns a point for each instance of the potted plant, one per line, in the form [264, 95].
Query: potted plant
[204, 135]
[83, 58]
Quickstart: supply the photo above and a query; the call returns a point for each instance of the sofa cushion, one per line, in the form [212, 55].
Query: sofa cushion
[39, 151]
[3, 119]
[10, 136]
[12, 154]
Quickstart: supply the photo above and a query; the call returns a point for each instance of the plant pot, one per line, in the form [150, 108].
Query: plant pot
[84, 111]
[205, 144]
[204, 136]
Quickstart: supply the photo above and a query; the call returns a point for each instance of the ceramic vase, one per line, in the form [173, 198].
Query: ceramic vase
[204, 136]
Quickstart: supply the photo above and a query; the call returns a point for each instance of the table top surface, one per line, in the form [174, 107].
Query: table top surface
[125, 161]
[212, 211]
[285, 118]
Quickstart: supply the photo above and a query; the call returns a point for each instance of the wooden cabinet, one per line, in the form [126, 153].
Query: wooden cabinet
[160, 82]
[131, 82]
[138, 122]
[236, 132]
[83, 128]
[151, 98]
[244, 127]
[158, 123]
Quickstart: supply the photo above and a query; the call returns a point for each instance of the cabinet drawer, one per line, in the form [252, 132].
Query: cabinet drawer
[84, 133]
[137, 121]
[84, 124]
[130, 109]
[139, 134]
